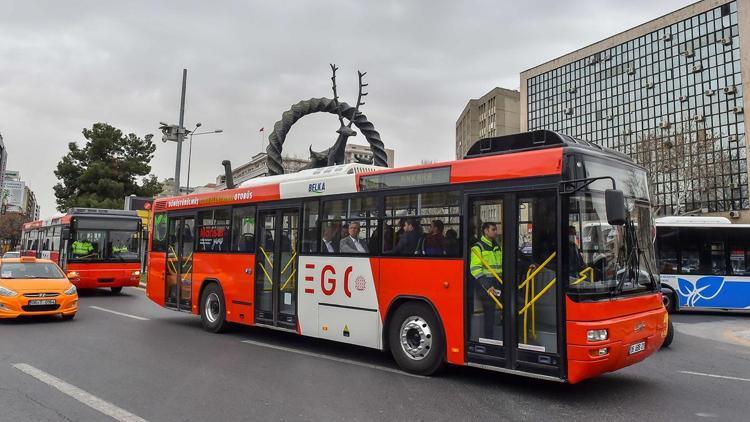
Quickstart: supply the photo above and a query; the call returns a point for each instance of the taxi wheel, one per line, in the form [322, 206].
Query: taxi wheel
[416, 339]
[213, 309]
[68, 317]
[116, 290]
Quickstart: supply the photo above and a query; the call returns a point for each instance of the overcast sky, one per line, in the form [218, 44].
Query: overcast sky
[66, 65]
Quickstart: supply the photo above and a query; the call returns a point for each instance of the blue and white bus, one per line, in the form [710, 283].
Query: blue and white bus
[704, 263]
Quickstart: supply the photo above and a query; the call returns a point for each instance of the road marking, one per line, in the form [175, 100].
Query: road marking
[714, 376]
[119, 313]
[82, 396]
[333, 358]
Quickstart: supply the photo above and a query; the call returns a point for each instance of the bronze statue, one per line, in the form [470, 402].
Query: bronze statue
[335, 154]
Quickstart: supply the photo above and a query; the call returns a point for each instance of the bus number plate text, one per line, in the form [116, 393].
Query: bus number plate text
[637, 347]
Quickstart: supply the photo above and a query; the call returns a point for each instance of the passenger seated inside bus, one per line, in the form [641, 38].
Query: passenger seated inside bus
[434, 242]
[451, 243]
[352, 243]
[409, 240]
[329, 245]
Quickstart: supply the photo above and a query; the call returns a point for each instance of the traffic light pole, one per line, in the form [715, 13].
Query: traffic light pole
[180, 136]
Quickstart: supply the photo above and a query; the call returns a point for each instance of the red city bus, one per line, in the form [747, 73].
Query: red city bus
[380, 258]
[100, 245]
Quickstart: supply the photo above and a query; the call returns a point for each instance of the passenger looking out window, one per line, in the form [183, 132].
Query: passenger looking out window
[352, 243]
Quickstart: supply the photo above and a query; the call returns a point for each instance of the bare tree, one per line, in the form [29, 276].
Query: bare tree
[11, 224]
[687, 166]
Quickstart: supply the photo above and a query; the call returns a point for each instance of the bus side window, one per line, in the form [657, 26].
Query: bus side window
[159, 240]
[243, 229]
[739, 253]
[310, 227]
[668, 248]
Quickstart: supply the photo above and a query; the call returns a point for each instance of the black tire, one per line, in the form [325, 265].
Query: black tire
[67, 317]
[116, 290]
[670, 334]
[669, 298]
[422, 326]
[213, 309]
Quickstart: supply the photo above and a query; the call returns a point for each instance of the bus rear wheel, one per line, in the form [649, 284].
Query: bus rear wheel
[213, 309]
[416, 339]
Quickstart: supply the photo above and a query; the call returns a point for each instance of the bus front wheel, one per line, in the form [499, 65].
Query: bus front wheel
[668, 297]
[213, 309]
[416, 339]
[116, 290]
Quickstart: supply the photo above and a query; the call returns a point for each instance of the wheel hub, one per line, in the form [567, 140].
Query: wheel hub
[212, 308]
[415, 338]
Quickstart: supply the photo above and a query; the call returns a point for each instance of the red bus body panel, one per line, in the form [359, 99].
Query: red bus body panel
[236, 283]
[108, 274]
[155, 276]
[439, 281]
[628, 320]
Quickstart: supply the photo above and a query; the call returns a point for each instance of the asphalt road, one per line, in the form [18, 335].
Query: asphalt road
[162, 367]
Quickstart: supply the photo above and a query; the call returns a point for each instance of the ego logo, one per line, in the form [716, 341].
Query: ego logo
[360, 283]
[318, 187]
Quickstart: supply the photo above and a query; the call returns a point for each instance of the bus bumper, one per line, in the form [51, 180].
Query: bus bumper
[632, 338]
[91, 278]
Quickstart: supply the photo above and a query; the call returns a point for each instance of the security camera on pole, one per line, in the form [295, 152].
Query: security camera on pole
[176, 134]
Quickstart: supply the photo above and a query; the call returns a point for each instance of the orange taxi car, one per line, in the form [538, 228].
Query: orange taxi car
[31, 287]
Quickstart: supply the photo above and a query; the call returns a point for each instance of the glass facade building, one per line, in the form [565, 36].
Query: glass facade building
[669, 94]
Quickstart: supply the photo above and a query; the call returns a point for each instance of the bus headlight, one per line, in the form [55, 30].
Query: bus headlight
[7, 292]
[597, 335]
[71, 290]
[135, 274]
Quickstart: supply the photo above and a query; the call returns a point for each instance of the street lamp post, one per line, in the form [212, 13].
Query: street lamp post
[190, 148]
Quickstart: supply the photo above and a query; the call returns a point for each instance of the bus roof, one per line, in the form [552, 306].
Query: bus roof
[692, 221]
[77, 212]
[530, 154]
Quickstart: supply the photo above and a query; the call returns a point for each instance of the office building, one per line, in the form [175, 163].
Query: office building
[670, 94]
[494, 114]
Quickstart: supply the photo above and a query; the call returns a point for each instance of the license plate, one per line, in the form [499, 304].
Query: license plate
[42, 302]
[637, 347]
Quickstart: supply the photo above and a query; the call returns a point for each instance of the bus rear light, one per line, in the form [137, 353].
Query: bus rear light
[597, 335]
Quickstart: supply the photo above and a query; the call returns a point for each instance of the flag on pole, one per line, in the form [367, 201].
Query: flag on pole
[261, 129]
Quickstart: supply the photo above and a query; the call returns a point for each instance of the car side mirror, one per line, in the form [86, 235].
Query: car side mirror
[73, 275]
[65, 234]
[614, 201]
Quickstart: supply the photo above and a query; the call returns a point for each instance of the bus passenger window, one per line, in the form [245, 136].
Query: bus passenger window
[243, 229]
[310, 227]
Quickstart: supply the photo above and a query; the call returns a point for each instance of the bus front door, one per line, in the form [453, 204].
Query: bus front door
[276, 268]
[179, 271]
[512, 309]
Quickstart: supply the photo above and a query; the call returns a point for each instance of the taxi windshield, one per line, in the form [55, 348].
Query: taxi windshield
[30, 270]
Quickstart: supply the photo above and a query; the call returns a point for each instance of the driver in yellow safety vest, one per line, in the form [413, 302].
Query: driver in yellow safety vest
[486, 266]
[82, 248]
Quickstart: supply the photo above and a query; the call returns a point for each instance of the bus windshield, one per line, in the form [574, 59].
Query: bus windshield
[105, 240]
[611, 260]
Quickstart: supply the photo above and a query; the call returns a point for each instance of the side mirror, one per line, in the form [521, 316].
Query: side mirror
[614, 201]
[73, 275]
[65, 234]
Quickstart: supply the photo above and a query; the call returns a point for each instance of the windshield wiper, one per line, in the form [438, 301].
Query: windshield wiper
[632, 265]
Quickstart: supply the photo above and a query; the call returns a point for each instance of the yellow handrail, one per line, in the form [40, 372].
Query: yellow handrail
[289, 279]
[268, 259]
[538, 296]
[587, 270]
[263, 267]
[294, 255]
[494, 298]
[538, 269]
